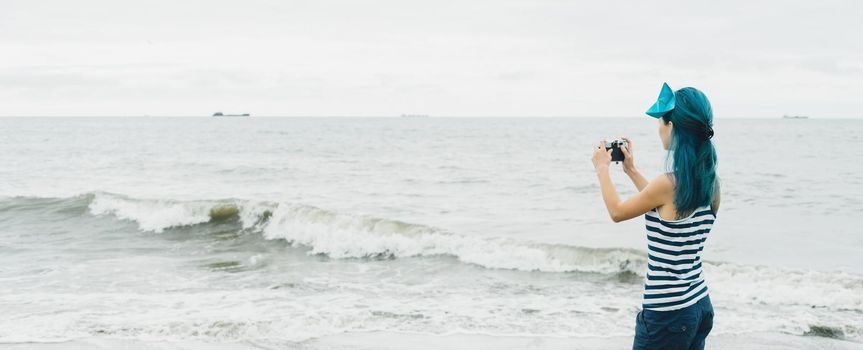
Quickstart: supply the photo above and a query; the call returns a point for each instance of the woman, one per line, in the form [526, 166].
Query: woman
[679, 208]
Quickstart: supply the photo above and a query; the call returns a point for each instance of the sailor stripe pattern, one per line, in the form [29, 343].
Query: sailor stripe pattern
[673, 280]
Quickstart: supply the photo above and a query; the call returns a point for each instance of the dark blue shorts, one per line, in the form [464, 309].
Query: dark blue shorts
[685, 328]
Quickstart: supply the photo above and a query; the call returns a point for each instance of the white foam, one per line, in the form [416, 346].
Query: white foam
[352, 236]
[340, 235]
[155, 215]
[775, 286]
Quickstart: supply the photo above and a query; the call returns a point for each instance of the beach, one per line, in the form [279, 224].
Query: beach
[394, 341]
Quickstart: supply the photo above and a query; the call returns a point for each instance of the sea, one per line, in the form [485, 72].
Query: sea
[282, 230]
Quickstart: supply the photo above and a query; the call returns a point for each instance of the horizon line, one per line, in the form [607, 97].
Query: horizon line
[425, 116]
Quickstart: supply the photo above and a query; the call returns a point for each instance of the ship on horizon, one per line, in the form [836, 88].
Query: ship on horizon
[795, 117]
[220, 114]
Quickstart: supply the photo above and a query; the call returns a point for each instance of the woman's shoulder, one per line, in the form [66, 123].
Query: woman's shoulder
[664, 182]
[661, 188]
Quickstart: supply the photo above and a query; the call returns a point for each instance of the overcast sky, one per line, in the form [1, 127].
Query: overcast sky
[437, 57]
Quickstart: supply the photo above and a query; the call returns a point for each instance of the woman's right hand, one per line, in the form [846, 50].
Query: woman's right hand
[628, 161]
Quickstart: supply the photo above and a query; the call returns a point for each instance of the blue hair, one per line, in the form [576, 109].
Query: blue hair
[694, 157]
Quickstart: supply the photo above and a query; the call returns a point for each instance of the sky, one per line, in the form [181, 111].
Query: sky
[437, 57]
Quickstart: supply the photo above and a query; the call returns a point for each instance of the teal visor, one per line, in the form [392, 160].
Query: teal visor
[664, 103]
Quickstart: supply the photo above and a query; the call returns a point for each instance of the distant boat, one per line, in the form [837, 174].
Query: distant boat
[794, 117]
[220, 114]
[414, 115]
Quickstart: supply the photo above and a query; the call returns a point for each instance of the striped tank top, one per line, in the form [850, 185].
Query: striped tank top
[674, 280]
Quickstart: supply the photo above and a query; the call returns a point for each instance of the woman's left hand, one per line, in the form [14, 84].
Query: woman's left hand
[601, 157]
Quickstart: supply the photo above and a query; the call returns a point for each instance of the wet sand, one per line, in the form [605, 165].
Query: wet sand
[392, 341]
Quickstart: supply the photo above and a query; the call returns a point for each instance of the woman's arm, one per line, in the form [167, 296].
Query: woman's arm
[636, 177]
[651, 196]
[716, 199]
[629, 165]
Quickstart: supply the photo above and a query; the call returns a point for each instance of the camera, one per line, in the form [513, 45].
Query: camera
[616, 153]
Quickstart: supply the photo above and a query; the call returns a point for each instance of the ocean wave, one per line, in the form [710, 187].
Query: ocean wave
[353, 236]
[344, 235]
